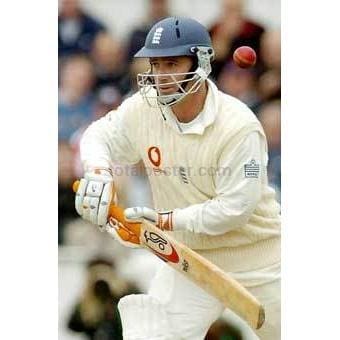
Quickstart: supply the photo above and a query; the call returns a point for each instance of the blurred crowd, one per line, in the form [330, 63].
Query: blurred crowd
[97, 72]
[95, 313]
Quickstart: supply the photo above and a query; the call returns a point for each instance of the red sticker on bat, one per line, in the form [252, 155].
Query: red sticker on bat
[160, 246]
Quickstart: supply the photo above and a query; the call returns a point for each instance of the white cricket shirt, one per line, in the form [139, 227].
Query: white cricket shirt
[210, 171]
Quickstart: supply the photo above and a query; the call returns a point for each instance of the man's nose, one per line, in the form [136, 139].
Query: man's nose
[163, 78]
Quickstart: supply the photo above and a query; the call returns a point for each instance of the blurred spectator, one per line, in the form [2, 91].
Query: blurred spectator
[110, 66]
[96, 314]
[76, 101]
[240, 83]
[76, 108]
[107, 99]
[269, 85]
[270, 118]
[232, 30]
[157, 10]
[76, 29]
[65, 159]
[138, 65]
[221, 330]
[66, 211]
[271, 49]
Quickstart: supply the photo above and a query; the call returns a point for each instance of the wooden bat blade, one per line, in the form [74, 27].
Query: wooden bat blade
[204, 274]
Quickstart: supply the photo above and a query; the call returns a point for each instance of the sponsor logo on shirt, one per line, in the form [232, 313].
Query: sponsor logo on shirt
[154, 155]
[251, 169]
[155, 158]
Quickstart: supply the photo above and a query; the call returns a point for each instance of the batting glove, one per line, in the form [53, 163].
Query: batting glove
[94, 195]
[162, 219]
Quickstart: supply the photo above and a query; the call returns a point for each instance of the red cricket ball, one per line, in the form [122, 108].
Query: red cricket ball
[244, 57]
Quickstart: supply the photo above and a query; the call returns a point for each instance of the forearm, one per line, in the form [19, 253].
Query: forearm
[216, 216]
[236, 195]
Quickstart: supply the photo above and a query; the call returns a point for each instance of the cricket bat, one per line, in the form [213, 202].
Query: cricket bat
[200, 271]
[203, 273]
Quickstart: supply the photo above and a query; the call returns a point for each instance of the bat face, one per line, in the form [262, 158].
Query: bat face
[160, 245]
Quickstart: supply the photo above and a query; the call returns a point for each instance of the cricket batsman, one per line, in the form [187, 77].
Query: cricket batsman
[207, 156]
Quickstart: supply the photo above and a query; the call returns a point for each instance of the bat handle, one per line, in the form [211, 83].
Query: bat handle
[75, 185]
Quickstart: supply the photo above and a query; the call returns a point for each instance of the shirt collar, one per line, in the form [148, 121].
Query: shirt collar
[205, 118]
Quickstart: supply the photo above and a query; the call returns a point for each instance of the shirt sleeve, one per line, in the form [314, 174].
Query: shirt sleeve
[238, 189]
[112, 139]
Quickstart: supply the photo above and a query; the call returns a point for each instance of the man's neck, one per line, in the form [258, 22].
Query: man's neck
[189, 108]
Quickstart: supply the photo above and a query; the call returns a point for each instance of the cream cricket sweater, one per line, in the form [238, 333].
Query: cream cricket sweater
[211, 172]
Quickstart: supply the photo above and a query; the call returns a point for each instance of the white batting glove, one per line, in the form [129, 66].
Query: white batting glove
[94, 195]
[162, 219]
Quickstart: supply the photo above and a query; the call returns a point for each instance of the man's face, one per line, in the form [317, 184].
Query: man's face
[169, 65]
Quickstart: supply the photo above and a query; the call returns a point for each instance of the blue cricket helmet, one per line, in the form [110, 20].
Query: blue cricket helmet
[175, 36]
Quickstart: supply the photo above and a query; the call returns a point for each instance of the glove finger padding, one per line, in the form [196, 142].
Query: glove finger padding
[79, 201]
[162, 219]
[93, 197]
[140, 213]
[106, 198]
